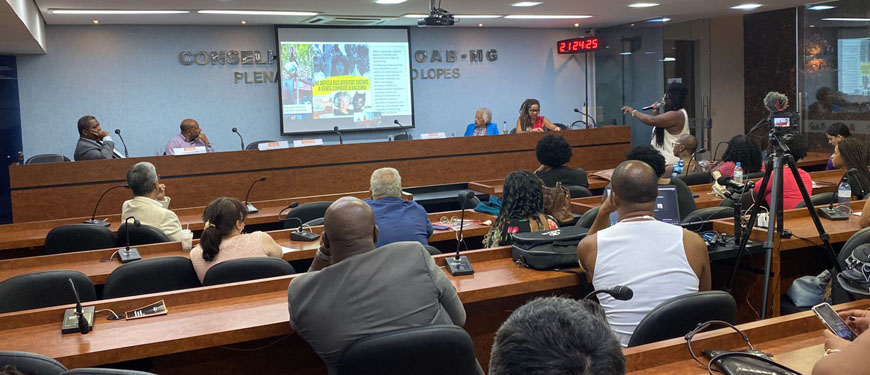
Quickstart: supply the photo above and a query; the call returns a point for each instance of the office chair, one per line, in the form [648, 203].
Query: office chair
[471, 203]
[560, 126]
[578, 191]
[104, 371]
[78, 237]
[244, 269]
[46, 158]
[254, 145]
[44, 289]
[838, 294]
[820, 200]
[152, 275]
[306, 212]
[418, 351]
[705, 214]
[31, 363]
[587, 218]
[432, 250]
[695, 178]
[679, 315]
[142, 235]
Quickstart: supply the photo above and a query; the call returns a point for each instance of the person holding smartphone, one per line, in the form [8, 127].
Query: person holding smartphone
[191, 136]
[843, 356]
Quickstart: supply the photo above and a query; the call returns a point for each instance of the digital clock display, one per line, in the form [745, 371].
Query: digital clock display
[577, 45]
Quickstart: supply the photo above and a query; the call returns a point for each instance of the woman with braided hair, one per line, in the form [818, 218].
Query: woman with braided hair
[851, 153]
[222, 237]
[522, 210]
[530, 119]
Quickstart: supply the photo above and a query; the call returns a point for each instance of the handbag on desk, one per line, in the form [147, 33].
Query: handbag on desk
[741, 362]
[557, 203]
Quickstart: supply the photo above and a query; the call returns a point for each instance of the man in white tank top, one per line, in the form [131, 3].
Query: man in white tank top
[658, 261]
[668, 126]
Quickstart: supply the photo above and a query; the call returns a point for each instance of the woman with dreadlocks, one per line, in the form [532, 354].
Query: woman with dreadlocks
[530, 119]
[851, 153]
[522, 210]
[670, 124]
[740, 150]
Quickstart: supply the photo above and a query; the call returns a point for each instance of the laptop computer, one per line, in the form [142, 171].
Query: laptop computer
[667, 210]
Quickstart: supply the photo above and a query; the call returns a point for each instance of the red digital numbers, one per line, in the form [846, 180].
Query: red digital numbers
[578, 45]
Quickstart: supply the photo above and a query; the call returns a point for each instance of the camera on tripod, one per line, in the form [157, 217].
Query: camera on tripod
[779, 120]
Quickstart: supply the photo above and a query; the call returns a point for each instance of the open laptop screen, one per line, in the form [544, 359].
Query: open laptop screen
[667, 210]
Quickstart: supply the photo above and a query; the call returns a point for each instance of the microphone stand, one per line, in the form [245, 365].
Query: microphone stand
[118, 132]
[459, 265]
[337, 131]
[242, 140]
[93, 219]
[77, 319]
[248, 205]
[129, 254]
[407, 136]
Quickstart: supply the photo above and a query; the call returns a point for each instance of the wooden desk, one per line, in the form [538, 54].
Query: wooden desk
[814, 160]
[201, 319]
[46, 191]
[795, 340]
[96, 266]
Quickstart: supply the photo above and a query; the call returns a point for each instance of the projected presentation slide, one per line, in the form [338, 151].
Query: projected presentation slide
[854, 66]
[355, 79]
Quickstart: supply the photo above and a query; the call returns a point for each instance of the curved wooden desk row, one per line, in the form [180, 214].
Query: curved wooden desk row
[45, 191]
[97, 267]
[207, 317]
[828, 182]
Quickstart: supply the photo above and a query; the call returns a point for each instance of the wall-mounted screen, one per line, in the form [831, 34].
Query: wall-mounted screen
[350, 78]
[853, 58]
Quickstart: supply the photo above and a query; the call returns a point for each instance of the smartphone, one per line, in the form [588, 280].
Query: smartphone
[833, 321]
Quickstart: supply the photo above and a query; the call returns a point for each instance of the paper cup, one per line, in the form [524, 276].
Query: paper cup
[186, 239]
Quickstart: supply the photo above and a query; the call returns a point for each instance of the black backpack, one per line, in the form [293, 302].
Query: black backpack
[548, 250]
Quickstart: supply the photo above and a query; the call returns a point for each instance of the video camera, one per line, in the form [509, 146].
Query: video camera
[779, 120]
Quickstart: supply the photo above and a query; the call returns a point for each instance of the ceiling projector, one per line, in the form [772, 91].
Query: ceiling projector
[437, 17]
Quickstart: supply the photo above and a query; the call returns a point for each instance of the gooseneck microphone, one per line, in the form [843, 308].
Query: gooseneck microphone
[340, 140]
[251, 208]
[77, 319]
[459, 265]
[731, 184]
[830, 212]
[407, 136]
[93, 219]
[290, 206]
[620, 292]
[129, 254]
[242, 140]
[84, 327]
[118, 132]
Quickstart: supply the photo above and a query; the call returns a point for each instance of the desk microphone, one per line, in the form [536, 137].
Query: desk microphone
[251, 208]
[340, 140]
[291, 205]
[302, 234]
[76, 320]
[93, 219]
[118, 132]
[129, 254]
[620, 292]
[407, 136]
[459, 265]
[830, 212]
[242, 140]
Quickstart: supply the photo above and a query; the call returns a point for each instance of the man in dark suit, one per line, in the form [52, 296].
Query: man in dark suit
[94, 142]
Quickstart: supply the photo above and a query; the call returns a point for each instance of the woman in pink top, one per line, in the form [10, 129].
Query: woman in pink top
[222, 237]
[531, 121]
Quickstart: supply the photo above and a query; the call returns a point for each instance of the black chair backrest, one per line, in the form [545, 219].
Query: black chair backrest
[578, 191]
[679, 315]
[432, 250]
[46, 158]
[695, 178]
[152, 275]
[31, 363]
[78, 237]
[704, 214]
[560, 126]
[470, 204]
[838, 294]
[587, 218]
[244, 269]
[429, 350]
[104, 371]
[819, 200]
[142, 235]
[513, 131]
[253, 145]
[306, 212]
[403, 137]
[44, 289]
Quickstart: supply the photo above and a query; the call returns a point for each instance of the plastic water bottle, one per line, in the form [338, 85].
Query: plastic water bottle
[738, 174]
[844, 196]
[678, 168]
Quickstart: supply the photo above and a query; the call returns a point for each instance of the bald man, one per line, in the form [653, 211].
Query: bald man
[658, 261]
[354, 290]
[684, 149]
[191, 136]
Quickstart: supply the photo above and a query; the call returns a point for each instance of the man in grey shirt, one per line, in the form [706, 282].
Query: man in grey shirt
[354, 290]
[94, 142]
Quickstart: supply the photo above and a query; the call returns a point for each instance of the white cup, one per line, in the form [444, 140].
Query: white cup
[186, 239]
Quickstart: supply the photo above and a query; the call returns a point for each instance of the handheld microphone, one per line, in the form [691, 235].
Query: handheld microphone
[77, 319]
[242, 140]
[340, 140]
[459, 265]
[407, 136]
[729, 183]
[250, 207]
[129, 254]
[620, 292]
[93, 219]
[650, 107]
[118, 132]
